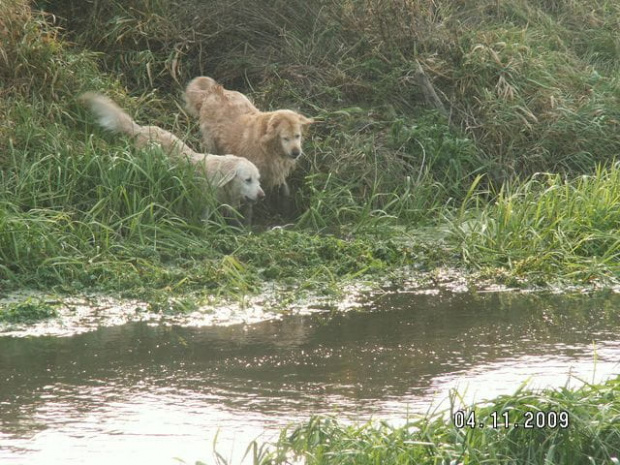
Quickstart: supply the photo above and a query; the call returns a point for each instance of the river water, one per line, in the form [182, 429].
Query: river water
[142, 393]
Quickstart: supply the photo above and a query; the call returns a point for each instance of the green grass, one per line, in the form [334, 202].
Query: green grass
[527, 88]
[80, 208]
[591, 416]
[547, 225]
[532, 84]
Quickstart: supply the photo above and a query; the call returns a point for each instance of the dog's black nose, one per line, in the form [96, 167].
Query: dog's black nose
[295, 153]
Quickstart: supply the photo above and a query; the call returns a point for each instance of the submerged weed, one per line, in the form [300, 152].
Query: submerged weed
[27, 311]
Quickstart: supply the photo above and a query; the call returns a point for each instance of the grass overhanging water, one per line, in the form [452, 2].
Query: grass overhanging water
[547, 225]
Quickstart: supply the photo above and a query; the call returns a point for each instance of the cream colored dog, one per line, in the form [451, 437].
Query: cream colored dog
[236, 179]
[230, 123]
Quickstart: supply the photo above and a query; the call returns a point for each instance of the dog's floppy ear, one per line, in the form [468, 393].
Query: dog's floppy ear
[303, 120]
[228, 171]
[271, 129]
[228, 176]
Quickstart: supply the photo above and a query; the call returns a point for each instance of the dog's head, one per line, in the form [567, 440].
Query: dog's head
[242, 181]
[285, 128]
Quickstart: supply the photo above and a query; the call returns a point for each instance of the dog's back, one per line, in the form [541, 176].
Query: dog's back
[205, 98]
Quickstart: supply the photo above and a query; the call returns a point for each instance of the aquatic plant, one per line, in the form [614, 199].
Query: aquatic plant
[27, 311]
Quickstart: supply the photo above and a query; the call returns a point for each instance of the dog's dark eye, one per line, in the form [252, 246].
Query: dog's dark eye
[248, 180]
[297, 136]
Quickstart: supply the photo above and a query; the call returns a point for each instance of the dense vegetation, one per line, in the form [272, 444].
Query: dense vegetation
[440, 114]
[587, 433]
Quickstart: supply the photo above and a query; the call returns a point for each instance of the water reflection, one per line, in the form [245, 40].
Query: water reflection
[145, 394]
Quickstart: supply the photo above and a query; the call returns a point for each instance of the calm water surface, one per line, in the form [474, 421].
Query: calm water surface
[140, 394]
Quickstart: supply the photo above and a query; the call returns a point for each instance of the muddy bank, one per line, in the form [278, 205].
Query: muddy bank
[86, 312]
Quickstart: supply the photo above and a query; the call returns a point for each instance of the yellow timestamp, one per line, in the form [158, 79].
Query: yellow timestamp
[512, 419]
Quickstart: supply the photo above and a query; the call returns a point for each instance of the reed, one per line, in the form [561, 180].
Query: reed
[547, 225]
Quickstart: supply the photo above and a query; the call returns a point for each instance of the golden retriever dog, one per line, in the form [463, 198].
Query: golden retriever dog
[230, 123]
[236, 179]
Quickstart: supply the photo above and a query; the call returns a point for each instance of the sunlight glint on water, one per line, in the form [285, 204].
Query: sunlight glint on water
[140, 393]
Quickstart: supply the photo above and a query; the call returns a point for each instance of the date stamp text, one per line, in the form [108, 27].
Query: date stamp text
[526, 420]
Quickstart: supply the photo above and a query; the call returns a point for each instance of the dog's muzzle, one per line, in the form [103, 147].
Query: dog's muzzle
[259, 196]
[295, 154]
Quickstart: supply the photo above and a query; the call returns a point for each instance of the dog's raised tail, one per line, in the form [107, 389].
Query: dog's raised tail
[109, 114]
[195, 93]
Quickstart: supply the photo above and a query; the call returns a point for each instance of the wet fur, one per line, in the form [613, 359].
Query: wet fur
[230, 123]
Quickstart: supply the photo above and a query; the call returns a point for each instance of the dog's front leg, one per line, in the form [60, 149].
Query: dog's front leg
[284, 201]
[248, 211]
[285, 191]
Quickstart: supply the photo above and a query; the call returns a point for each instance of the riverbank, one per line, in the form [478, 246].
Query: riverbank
[507, 177]
[390, 190]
